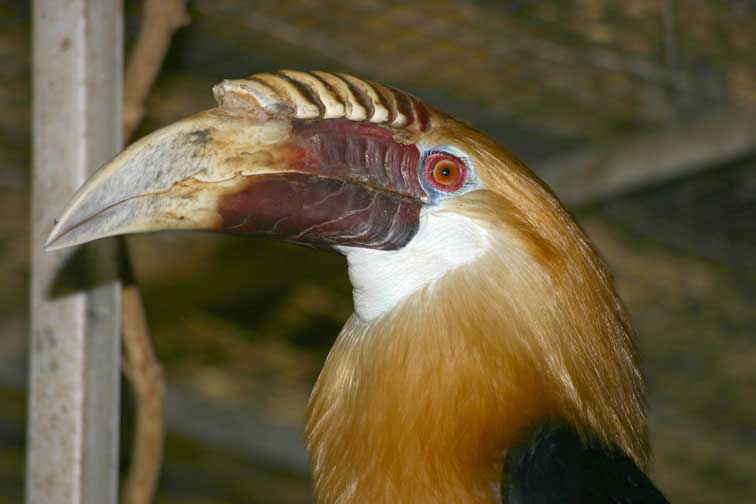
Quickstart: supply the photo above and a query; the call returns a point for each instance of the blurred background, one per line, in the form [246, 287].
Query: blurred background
[242, 326]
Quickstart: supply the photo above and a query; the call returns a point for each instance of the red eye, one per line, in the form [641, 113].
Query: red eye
[445, 171]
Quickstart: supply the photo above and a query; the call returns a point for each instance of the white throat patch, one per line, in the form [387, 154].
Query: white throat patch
[381, 279]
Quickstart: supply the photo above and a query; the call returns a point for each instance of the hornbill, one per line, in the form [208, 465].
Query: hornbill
[489, 358]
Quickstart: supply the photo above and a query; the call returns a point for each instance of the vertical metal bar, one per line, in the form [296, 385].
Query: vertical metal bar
[72, 448]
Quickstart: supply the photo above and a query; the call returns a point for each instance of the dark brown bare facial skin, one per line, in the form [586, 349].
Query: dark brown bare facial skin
[351, 184]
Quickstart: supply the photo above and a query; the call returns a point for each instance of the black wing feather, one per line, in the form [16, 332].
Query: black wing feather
[554, 465]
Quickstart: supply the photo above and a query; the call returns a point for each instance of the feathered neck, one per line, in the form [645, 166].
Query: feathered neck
[421, 404]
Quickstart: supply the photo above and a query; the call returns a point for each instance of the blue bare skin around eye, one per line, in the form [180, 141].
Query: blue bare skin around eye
[437, 195]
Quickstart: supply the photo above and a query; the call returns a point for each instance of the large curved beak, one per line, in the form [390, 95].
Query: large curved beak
[318, 182]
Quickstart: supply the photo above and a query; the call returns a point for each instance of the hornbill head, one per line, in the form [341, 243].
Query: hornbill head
[480, 306]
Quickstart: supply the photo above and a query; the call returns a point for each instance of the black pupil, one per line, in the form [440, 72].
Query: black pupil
[446, 171]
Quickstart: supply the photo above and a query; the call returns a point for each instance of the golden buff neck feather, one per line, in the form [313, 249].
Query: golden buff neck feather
[420, 404]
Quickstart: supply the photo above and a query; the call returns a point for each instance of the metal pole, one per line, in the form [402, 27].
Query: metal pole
[74, 384]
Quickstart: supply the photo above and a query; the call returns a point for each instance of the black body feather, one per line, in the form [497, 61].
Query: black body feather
[554, 465]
